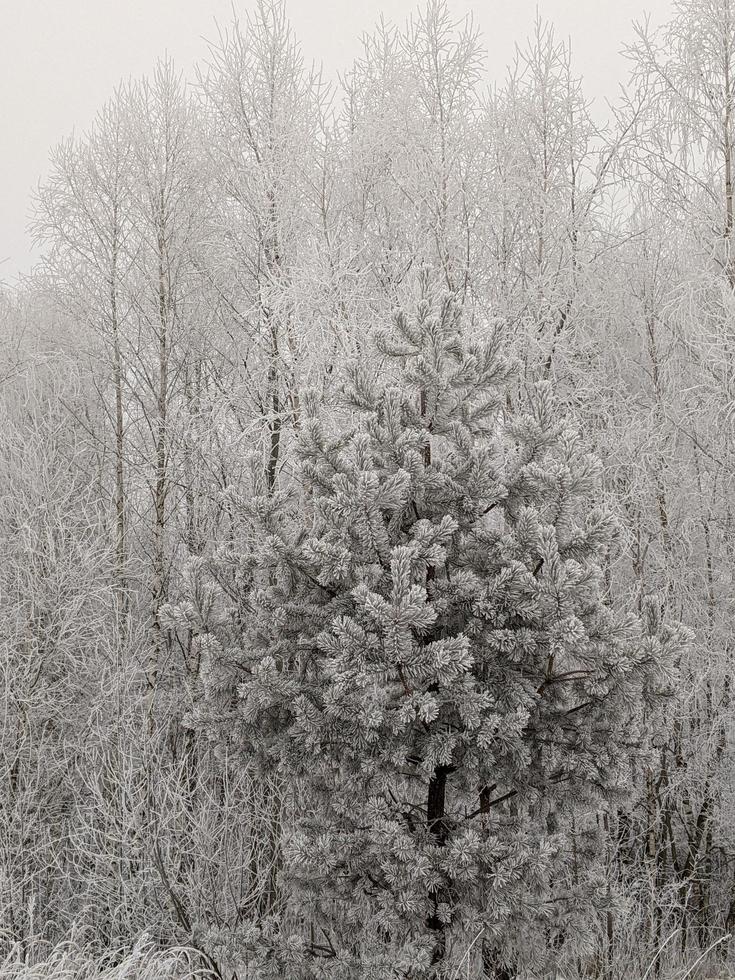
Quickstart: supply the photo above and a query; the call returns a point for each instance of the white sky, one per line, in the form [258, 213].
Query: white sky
[61, 59]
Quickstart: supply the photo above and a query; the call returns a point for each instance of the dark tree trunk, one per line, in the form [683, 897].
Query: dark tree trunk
[436, 822]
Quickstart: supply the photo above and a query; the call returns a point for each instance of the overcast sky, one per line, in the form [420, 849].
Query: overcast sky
[61, 59]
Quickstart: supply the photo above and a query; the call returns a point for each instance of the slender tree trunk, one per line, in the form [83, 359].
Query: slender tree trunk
[120, 556]
[727, 148]
[274, 406]
[436, 822]
[160, 490]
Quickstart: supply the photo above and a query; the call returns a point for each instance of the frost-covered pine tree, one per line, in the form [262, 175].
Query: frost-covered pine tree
[424, 647]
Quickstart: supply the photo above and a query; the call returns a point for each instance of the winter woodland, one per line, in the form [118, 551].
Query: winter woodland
[367, 594]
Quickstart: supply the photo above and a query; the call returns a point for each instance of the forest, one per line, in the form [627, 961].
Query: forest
[367, 518]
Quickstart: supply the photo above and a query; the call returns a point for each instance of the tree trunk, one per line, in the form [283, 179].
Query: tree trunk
[436, 822]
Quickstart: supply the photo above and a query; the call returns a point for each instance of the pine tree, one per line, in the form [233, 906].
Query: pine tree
[424, 646]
